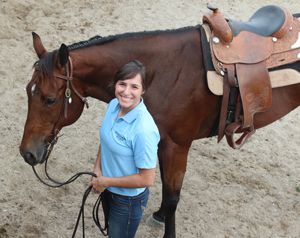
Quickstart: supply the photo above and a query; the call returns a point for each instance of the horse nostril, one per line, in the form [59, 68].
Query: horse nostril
[29, 158]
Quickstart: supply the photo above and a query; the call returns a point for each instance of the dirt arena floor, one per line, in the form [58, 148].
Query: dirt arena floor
[226, 193]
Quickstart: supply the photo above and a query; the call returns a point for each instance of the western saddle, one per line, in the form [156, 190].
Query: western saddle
[242, 52]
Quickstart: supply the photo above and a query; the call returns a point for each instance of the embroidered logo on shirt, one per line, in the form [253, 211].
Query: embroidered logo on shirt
[119, 136]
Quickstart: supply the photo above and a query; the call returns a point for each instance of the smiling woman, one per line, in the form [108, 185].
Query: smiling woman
[128, 93]
[126, 160]
[129, 86]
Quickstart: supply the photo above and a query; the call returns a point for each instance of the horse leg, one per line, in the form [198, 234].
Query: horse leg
[173, 160]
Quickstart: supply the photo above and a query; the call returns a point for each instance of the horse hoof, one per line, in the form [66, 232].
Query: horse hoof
[151, 221]
[158, 217]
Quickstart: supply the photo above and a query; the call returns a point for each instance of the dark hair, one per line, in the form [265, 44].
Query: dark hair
[129, 71]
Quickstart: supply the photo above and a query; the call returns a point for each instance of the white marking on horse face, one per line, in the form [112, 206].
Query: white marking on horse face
[297, 43]
[33, 89]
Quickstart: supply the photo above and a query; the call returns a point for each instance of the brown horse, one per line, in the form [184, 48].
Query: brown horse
[178, 97]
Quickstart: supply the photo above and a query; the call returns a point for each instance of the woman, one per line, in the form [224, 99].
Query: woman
[127, 156]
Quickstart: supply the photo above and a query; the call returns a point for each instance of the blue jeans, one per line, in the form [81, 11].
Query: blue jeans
[125, 214]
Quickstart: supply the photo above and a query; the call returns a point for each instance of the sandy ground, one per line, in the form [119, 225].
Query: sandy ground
[226, 193]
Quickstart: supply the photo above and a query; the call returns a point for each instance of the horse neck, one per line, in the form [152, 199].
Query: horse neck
[91, 70]
[96, 65]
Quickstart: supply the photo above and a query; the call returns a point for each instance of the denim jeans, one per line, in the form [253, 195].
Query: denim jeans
[125, 214]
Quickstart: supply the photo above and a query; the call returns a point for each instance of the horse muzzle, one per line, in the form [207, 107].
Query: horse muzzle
[34, 155]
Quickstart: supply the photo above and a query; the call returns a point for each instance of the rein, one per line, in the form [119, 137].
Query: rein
[57, 184]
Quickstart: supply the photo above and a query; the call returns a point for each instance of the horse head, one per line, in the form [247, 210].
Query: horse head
[54, 101]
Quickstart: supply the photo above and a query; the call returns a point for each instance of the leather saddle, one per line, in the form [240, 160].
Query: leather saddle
[242, 52]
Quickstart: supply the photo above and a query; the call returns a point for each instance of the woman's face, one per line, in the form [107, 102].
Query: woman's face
[128, 93]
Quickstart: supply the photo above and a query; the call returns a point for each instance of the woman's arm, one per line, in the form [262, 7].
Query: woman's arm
[97, 171]
[97, 165]
[145, 178]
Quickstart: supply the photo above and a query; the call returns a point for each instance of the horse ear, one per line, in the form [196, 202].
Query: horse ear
[38, 45]
[63, 54]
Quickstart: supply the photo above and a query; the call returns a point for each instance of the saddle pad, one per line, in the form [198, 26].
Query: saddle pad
[279, 78]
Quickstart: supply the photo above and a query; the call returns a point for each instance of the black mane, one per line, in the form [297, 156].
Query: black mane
[45, 64]
[98, 40]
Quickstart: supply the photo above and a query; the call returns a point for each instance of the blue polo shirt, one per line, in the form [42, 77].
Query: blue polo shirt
[127, 144]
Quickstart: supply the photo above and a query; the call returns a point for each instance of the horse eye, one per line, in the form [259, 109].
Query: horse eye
[50, 101]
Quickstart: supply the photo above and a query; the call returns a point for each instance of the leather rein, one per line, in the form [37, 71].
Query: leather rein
[53, 182]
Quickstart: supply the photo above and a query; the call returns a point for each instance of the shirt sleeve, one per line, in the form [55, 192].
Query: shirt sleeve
[145, 145]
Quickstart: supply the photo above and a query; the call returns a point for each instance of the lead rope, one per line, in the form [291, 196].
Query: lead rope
[104, 230]
[57, 184]
[99, 200]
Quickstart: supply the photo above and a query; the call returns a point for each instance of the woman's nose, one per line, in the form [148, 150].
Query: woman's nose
[127, 90]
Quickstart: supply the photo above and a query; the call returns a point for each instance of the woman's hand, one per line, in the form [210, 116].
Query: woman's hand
[98, 184]
[98, 174]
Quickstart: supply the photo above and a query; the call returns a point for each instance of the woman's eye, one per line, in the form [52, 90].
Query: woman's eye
[50, 101]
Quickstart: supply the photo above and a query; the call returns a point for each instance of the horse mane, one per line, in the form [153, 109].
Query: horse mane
[46, 64]
[99, 40]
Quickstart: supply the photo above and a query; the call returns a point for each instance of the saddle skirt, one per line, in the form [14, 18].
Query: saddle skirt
[244, 55]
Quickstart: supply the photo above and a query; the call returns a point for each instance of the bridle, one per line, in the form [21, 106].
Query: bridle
[68, 99]
[55, 184]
